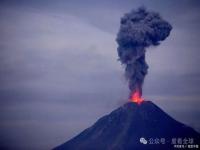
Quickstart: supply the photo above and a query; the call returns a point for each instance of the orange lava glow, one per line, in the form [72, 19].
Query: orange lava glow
[136, 97]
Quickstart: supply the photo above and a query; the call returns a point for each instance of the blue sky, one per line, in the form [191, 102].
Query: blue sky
[59, 71]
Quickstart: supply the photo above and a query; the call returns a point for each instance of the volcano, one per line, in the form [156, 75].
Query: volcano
[134, 126]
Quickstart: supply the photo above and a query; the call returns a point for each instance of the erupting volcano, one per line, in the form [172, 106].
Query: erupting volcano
[123, 128]
[132, 125]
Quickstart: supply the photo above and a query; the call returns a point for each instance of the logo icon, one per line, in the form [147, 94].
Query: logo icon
[143, 140]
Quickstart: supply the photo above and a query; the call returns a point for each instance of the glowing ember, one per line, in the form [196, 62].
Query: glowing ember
[136, 97]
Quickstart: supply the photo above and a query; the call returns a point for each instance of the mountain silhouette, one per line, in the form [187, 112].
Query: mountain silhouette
[134, 127]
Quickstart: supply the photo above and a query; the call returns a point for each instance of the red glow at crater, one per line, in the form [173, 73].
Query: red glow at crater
[136, 97]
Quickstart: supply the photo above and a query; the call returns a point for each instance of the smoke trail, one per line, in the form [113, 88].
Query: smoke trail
[139, 29]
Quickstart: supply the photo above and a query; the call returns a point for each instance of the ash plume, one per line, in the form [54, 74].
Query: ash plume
[139, 29]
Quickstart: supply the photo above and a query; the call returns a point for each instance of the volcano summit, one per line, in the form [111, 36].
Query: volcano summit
[132, 127]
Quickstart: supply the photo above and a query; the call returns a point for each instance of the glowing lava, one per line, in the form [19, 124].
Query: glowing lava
[136, 97]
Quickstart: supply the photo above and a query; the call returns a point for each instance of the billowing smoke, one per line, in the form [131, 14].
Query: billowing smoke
[139, 29]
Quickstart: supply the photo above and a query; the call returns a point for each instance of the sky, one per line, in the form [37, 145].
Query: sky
[59, 68]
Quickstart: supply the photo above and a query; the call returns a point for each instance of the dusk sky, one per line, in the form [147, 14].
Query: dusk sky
[59, 68]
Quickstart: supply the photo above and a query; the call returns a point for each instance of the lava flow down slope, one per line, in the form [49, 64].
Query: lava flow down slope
[132, 127]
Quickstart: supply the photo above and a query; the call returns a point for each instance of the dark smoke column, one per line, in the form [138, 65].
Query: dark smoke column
[139, 29]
